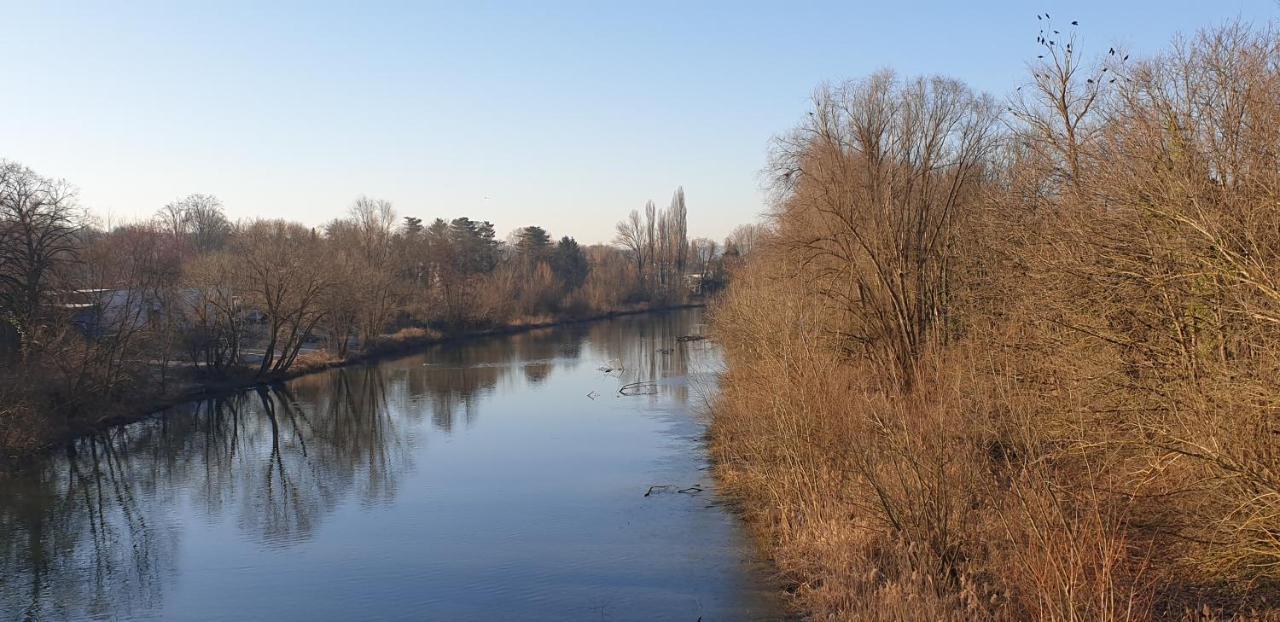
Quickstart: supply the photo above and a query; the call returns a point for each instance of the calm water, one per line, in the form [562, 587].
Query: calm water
[472, 482]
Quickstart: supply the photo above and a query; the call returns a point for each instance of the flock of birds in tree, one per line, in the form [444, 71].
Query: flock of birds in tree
[1045, 41]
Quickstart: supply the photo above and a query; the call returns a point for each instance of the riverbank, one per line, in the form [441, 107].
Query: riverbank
[142, 403]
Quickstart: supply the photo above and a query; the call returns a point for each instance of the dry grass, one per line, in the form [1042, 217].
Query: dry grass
[313, 360]
[939, 503]
[532, 320]
[413, 334]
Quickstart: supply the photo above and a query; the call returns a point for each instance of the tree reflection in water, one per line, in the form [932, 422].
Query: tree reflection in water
[93, 531]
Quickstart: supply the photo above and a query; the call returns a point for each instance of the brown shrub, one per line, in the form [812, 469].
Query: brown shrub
[313, 360]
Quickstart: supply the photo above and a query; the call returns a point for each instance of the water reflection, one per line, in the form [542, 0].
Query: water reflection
[95, 531]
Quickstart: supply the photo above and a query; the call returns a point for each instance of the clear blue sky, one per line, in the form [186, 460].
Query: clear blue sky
[568, 115]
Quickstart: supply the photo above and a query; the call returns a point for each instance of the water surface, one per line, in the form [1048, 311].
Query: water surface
[500, 479]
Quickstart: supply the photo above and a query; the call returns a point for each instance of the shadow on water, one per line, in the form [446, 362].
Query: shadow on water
[103, 529]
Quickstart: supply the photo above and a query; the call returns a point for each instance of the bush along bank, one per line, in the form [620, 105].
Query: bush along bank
[1018, 361]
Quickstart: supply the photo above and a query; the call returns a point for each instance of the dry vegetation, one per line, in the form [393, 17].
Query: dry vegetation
[1019, 361]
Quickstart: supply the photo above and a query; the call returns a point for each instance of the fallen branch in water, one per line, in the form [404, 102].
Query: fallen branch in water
[639, 388]
[690, 338]
[692, 490]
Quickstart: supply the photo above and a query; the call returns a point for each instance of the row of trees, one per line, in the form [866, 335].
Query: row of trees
[91, 312]
[1017, 360]
[658, 244]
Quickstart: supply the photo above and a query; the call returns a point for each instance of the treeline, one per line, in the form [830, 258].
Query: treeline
[89, 315]
[1018, 360]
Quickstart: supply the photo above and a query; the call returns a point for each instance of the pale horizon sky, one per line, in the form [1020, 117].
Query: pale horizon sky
[567, 115]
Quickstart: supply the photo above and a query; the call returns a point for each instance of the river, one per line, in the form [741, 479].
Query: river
[502, 478]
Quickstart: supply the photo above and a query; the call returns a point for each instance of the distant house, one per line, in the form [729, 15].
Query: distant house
[100, 311]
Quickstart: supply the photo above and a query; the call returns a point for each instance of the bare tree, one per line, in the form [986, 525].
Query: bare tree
[872, 186]
[39, 225]
[746, 238]
[702, 251]
[209, 227]
[173, 218]
[214, 312]
[650, 235]
[631, 237]
[1060, 112]
[678, 214]
[375, 219]
[197, 218]
[283, 275]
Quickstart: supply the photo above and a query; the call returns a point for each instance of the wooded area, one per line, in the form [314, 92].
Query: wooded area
[1018, 360]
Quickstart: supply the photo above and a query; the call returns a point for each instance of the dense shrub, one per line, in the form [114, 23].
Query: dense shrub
[1040, 385]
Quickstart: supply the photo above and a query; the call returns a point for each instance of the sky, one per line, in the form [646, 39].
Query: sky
[560, 114]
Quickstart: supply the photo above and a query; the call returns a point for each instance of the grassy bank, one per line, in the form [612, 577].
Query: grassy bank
[38, 436]
[867, 501]
[1008, 483]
